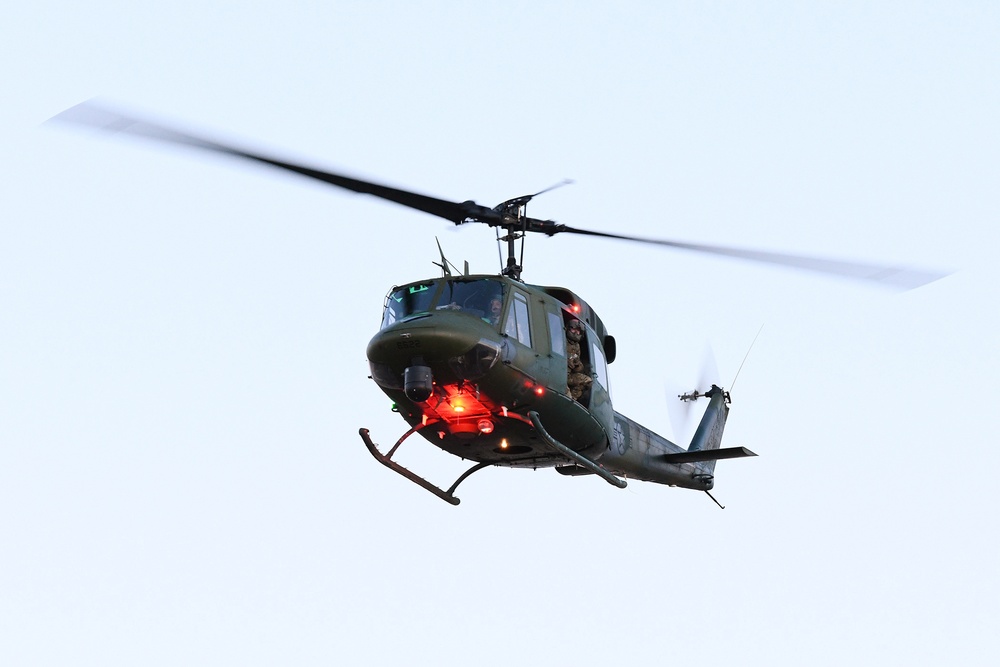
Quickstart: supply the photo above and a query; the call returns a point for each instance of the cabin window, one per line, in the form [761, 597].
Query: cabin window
[518, 325]
[406, 301]
[599, 365]
[556, 334]
[482, 298]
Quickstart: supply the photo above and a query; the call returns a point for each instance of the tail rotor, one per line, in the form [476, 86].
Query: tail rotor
[680, 399]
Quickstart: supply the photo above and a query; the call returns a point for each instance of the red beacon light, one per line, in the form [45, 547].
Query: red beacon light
[485, 426]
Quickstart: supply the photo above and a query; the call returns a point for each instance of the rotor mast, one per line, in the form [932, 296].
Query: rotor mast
[512, 269]
[513, 220]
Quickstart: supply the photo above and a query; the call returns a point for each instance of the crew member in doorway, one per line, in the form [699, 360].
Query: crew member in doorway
[578, 381]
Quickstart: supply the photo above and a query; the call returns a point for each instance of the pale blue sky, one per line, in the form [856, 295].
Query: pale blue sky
[182, 349]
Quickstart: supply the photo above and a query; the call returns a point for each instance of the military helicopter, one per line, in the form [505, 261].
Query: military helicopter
[501, 372]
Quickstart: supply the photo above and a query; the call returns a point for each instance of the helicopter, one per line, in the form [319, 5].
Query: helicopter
[500, 372]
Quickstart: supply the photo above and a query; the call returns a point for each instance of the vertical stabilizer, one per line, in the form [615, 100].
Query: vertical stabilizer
[713, 423]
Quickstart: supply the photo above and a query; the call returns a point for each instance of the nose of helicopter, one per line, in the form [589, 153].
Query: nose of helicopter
[454, 346]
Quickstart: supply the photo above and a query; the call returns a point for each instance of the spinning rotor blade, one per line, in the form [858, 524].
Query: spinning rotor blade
[680, 411]
[98, 117]
[895, 276]
[505, 215]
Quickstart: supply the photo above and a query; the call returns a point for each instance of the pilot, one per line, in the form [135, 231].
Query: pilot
[496, 305]
[578, 381]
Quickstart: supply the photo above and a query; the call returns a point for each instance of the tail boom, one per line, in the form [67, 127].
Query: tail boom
[637, 452]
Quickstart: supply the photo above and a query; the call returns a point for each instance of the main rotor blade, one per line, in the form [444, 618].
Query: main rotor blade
[101, 118]
[94, 115]
[893, 276]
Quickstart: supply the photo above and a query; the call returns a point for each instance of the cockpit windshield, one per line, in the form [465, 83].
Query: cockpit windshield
[481, 297]
[407, 301]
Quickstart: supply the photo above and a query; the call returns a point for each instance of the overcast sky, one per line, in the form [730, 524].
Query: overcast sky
[182, 338]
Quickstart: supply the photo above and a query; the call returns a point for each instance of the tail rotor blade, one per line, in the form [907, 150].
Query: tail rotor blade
[678, 411]
[681, 399]
[709, 370]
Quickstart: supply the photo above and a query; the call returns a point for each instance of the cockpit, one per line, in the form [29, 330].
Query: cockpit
[479, 297]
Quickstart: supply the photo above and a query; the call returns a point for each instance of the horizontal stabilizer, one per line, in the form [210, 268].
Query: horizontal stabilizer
[707, 455]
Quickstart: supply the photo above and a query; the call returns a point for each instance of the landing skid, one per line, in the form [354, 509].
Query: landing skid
[576, 457]
[386, 460]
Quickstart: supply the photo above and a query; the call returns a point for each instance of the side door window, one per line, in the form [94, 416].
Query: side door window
[518, 324]
[557, 337]
[599, 364]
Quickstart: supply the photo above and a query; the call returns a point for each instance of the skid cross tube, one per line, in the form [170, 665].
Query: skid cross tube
[386, 460]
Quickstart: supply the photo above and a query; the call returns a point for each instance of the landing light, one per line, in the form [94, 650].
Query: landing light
[485, 426]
